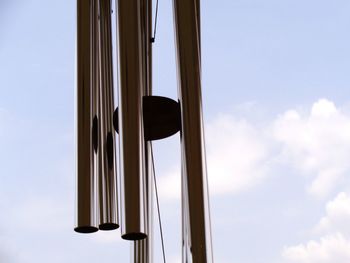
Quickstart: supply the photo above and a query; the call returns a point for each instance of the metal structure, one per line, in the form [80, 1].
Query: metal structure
[139, 119]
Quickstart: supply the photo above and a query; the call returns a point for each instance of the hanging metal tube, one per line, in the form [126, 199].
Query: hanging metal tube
[142, 249]
[87, 121]
[195, 191]
[131, 135]
[186, 236]
[108, 205]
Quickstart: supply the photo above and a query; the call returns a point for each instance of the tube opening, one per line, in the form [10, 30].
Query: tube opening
[134, 236]
[85, 229]
[108, 226]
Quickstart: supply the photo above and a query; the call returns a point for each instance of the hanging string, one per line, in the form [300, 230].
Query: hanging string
[156, 191]
[153, 39]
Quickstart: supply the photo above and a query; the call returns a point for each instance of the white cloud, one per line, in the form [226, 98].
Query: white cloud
[337, 216]
[334, 246]
[240, 155]
[329, 249]
[317, 144]
[170, 185]
[237, 158]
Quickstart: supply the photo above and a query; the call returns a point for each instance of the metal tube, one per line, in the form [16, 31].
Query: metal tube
[131, 135]
[186, 242]
[195, 192]
[142, 249]
[108, 205]
[86, 120]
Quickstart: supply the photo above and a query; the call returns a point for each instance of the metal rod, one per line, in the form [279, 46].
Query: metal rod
[195, 192]
[131, 135]
[186, 242]
[87, 135]
[108, 204]
[142, 249]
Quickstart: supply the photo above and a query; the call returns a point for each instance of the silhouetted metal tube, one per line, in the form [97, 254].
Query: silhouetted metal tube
[186, 236]
[86, 120]
[131, 135]
[146, 32]
[108, 204]
[142, 249]
[195, 191]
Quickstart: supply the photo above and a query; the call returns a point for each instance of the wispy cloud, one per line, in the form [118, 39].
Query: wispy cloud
[237, 158]
[333, 243]
[240, 154]
[329, 249]
[337, 216]
[316, 144]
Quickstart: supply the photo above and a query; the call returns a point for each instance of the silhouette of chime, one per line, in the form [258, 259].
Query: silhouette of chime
[139, 119]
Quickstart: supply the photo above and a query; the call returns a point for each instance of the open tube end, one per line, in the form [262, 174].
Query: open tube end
[134, 236]
[85, 229]
[108, 226]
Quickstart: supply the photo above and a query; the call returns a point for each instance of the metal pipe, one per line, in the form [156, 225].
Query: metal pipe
[108, 205]
[131, 135]
[87, 135]
[142, 249]
[186, 242]
[195, 191]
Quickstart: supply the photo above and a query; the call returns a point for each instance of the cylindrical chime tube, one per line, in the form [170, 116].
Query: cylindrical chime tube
[108, 205]
[131, 135]
[87, 132]
[186, 242]
[142, 249]
[195, 189]
[139, 251]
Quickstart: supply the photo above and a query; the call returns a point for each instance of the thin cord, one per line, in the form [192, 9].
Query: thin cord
[156, 190]
[153, 39]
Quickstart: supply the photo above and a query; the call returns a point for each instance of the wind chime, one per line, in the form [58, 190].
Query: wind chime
[139, 119]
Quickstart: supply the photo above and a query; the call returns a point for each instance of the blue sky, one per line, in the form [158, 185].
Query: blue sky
[277, 113]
